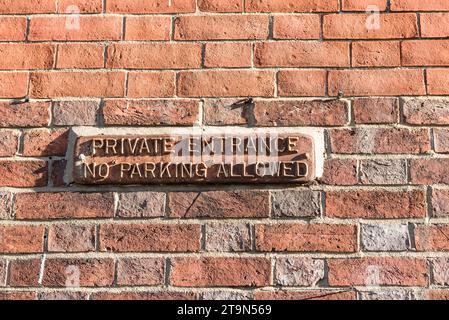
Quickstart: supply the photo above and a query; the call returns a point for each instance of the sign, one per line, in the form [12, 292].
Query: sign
[169, 159]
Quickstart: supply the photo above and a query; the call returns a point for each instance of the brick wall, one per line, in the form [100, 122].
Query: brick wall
[374, 226]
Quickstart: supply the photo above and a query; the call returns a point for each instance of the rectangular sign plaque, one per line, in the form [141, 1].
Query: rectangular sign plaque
[253, 158]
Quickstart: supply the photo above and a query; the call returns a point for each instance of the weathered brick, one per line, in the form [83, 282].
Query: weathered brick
[380, 140]
[306, 295]
[158, 6]
[306, 237]
[223, 237]
[151, 84]
[12, 28]
[150, 237]
[376, 54]
[87, 28]
[33, 114]
[227, 55]
[149, 28]
[436, 294]
[305, 272]
[376, 110]
[218, 272]
[73, 272]
[141, 205]
[18, 56]
[437, 81]
[3, 272]
[440, 271]
[75, 113]
[422, 111]
[220, 5]
[9, 143]
[23, 174]
[301, 54]
[294, 203]
[43, 142]
[63, 295]
[226, 83]
[429, 171]
[381, 82]
[21, 239]
[387, 294]
[6, 205]
[24, 273]
[340, 172]
[440, 202]
[140, 271]
[58, 168]
[221, 27]
[64, 205]
[151, 112]
[219, 204]
[355, 26]
[441, 140]
[385, 237]
[291, 6]
[302, 83]
[132, 295]
[431, 238]
[376, 204]
[383, 171]
[392, 271]
[154, 56]
[416, 53]
[71, 237]
[296, 27]
[226, 295]
[77, 84]
[80, 56]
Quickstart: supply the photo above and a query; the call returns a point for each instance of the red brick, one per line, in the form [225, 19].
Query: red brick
[226, 84]
[219, 204]
[23, 174]
[376, 110]
[386, 82]
[434, 25]
[157, 6]
[419, 5]
[220, 5]
[80, 56]
[90, 28]
[340, 172]
[297, 27]
[301, 54]
[30, 6]
[216, 272]
[77, 84]
[376, 204]
[437, 81]
[392, 271]
[363, 5]
[429, 171]
[432, 238]
[24, 273]
[376, 54]
[228, 55]
[154, 56]
[380, 140]
[33, 114]
[301, 113]
[306, 238]
[441, 137]
[21, 239]
[12, 28]
[306, 295]
[147, 28]
[9, 143]
[302, 83]
[151, 84]
[355, 26]
[140, 272]
[13, 85]
[43, 142]
[416, 53]
[63, 205]
[71, 237]
[144, 113]
[18, 295]
[62, 272]
[436, 294]
[133, 295]
[150, 237]
[82, 6]
[225, 27]
[292, 6]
